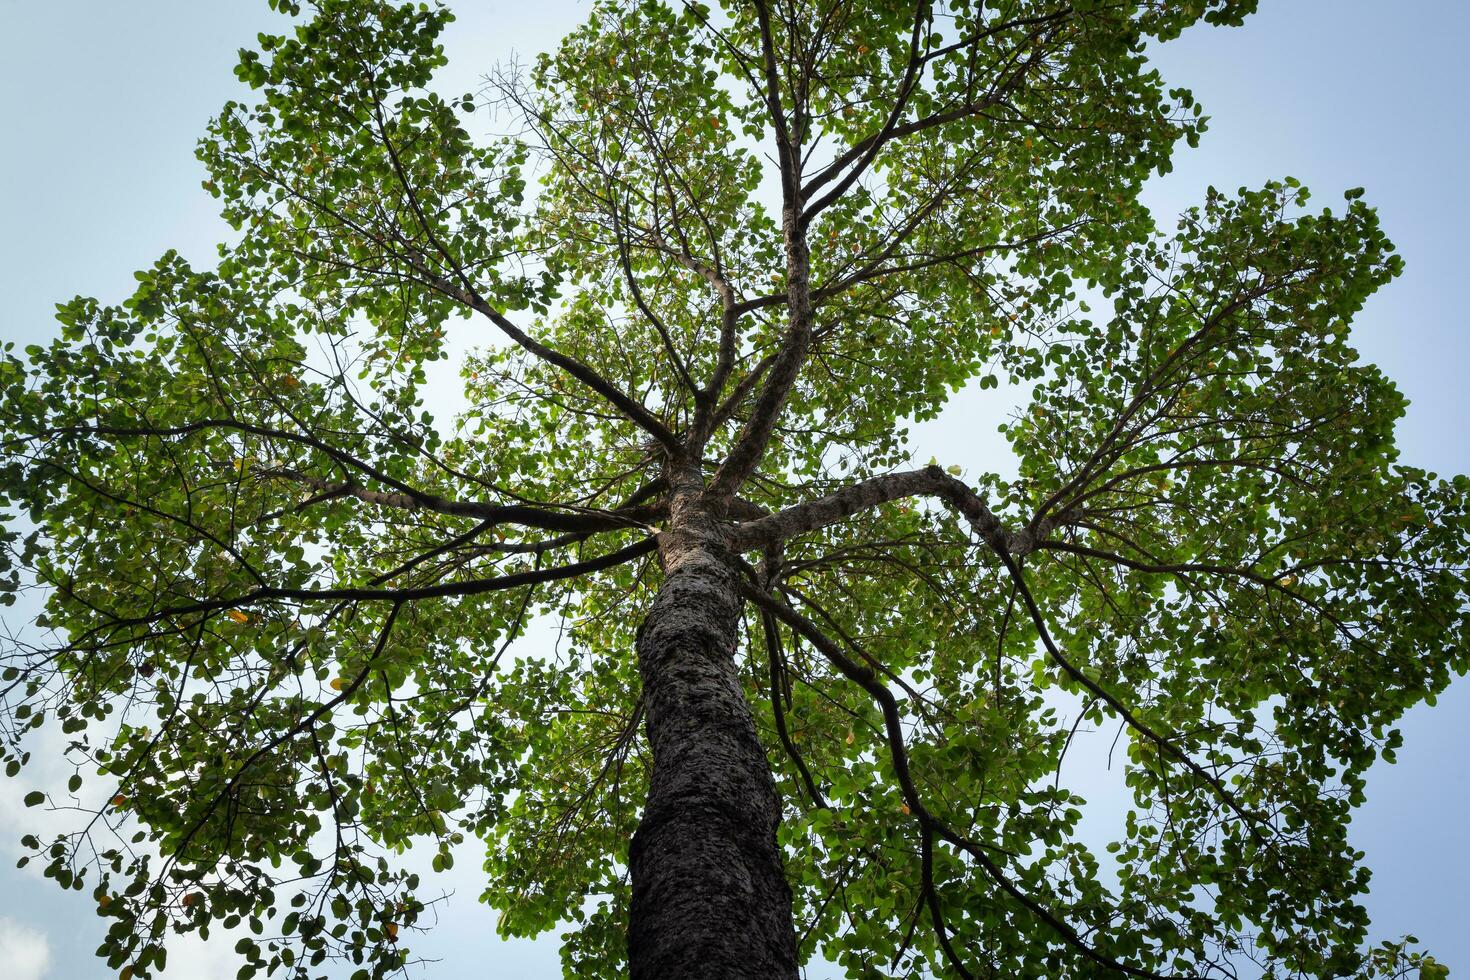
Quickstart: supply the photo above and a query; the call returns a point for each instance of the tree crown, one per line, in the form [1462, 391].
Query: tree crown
[739, 251]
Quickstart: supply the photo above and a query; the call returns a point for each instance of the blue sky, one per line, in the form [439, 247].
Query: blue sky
[105, 101]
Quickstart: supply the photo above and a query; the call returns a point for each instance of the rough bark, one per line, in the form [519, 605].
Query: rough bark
[755, 436]
[710, 898]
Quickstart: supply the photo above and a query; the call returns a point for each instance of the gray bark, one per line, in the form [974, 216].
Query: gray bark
[710, 898]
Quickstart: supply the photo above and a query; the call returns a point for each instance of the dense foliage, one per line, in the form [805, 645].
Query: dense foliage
[283, 591]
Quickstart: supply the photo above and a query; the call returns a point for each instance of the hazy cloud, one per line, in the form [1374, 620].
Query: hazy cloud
[25, 952]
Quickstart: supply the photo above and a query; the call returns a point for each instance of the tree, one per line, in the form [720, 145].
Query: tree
[806, 695]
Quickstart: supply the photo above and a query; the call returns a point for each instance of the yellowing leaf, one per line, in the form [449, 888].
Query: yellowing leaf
[238, 616]
[337, 684]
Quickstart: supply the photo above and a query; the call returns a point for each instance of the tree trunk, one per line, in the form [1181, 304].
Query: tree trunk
[710, 898]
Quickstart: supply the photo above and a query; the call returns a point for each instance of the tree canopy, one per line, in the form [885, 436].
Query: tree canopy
[714, 263]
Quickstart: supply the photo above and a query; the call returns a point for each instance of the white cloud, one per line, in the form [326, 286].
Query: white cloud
[191, 957]
[25, 952]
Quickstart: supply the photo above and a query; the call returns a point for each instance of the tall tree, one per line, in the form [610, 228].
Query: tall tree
[805, 698]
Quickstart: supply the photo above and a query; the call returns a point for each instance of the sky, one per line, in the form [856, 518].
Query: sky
[105, 100]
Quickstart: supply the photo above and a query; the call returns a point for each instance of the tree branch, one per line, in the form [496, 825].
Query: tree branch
[441, 590]
[526, 515]
[893, 725]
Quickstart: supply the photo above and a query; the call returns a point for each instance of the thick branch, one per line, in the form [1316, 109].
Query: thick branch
[526, 515]
[931, 481]
[825, 511]
[754, 437]
[865, 159]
